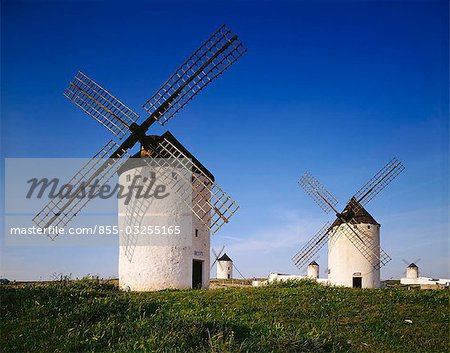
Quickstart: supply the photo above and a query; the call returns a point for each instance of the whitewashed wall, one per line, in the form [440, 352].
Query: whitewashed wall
[150, 263]
[224, 268]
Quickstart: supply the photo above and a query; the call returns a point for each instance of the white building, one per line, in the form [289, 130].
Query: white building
[282, 277]
[346, 265]
[155, 262]
[224, 267]
[312, 273]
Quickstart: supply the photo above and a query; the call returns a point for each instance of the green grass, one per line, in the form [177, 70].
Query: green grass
[88, 316]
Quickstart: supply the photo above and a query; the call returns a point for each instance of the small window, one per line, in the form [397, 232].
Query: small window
[368, 227]
[128, 178]
[152, 175]
[196, 232]
[228, 268]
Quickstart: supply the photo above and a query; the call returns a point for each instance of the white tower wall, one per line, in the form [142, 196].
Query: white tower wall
[412, 272]
[156, 262]
[346, 262]
[224, 269]
[313, 271]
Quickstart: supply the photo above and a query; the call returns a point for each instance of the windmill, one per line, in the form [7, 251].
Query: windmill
[210, 205]
[354, 253]
[313, 269]
[216, 54]
[225, 265]
[412, 270]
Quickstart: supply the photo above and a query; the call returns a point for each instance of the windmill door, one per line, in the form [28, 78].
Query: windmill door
[197, 274]
[357, 282]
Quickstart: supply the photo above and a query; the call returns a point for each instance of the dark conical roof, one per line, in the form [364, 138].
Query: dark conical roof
[412, 265]
[136, 161]
[313, 263]
[224, 257]
[361, 216]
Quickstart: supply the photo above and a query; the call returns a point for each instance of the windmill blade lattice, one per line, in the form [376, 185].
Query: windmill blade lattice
[101, 105]
[59, 210]
[220, 51]
[312, 247]
[411, 262]
[377, 183]
[318, 192]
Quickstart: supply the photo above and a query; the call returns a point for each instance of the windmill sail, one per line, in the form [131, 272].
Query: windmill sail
[101, 105]
[312, 247]
[377, 183]
[318, 192]
[60, 210]
[216, 54]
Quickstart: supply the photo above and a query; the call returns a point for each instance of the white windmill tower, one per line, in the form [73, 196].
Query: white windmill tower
[412, 270]
[224, 264]
[171, 259]
[354, 253]
[313, 270]
[224, 267]
[348, 267]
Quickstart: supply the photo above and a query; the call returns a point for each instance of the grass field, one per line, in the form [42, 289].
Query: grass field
[87, 316]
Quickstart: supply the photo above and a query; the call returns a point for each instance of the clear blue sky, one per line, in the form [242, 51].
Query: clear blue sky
[337, 88]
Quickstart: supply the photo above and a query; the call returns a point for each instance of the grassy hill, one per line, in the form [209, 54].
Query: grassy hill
[296, 317]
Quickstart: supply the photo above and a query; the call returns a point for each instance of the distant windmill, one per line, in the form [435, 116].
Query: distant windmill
[354, 253]
[312, 270]
[209, 204]
[225, 265]
[412, 270]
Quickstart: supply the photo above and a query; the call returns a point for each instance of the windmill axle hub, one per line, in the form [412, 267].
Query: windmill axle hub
[346, 215]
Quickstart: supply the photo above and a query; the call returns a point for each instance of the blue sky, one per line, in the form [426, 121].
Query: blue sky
[337, 88]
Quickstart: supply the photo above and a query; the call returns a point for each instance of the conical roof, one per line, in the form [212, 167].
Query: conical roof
[313, 263]
[136, 160]
[361, 216]
[412, 265]
[224, 257]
